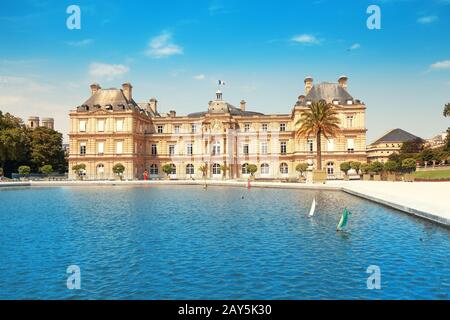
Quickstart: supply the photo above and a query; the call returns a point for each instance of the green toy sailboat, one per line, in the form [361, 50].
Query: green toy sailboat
[342, 225]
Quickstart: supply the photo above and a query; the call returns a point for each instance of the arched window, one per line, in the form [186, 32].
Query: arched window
[265, 168]
[330, 168]
[153, 169]
[173, 169]
[245, 168]
[190, 168]
[284, 169]
[100, 168]
[216, 168]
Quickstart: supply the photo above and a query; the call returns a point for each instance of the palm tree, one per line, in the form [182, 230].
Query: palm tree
[320, 119]
[447, 110]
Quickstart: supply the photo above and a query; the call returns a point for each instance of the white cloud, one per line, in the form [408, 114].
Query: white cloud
[427, 19]
[354, 47]
[162, 46]
[199, 77]
[440, 65]
[305, 39]
[81, 43]
[216, 8]
[107, 71]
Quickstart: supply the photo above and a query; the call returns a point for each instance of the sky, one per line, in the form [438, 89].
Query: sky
[176, 51]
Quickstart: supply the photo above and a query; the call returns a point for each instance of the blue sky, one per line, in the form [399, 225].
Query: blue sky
[176, 51]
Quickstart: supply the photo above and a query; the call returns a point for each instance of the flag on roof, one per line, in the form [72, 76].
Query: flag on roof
[221, 83]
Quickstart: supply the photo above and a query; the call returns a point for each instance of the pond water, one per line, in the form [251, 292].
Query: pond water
[182, 242]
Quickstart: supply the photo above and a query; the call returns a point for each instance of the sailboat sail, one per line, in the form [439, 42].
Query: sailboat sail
[344, 220]
[313, 208]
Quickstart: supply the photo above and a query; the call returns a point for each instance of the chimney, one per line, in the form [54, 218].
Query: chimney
[154, 105]
[308, 84]
[172, 113]
[127, 91]
[343, 82]
[219, 95]
[94, 88]
[243, 103]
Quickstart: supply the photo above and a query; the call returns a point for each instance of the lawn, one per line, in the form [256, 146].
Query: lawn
[433, 174]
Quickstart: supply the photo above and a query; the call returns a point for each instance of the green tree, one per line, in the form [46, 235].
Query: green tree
[412, 146]
[46, 148]
[167, 168]
[24, 170]
[46, 169]
[118, 170]
[447, 110]
[301, 168]
[224, 168]
[427, 155]
[376, 167]
[345, 167]
[203, 169]
[321, 119]
[252, 168]
[391, 166]
[1, 172]
[79, 169]
[409, 165]
[355, 165]
[364, 167]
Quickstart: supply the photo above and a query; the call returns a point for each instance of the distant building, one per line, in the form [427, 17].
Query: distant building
[389, 143]
[33, 122]
[437, 141]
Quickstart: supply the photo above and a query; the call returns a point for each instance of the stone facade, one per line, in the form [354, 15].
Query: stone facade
[111, 128]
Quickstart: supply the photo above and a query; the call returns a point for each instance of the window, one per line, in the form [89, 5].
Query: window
[245, 149]
[100, 169]
[101, 148]
[330, 168]
[245, 168]
[173, 169]
[264, 127]
[190, 169]
[154, 169]
[101, 125]
[177, 129]
[349, 102]
[282, 127]
[216, 148]
[330, 145]
[171, 149]
[216, 169]
[119, 125]
[264, 168]
[263, 148]
[119, 147]
[308, 103]
[246, 127]
[189, 149]
[154, 149]
[160, 129]
[350, 145]
[336, 102]
[283, 147]
[82, 148]
[193, 128]
[82, 125]
[284, 169]
[349, 121]
[310, 145]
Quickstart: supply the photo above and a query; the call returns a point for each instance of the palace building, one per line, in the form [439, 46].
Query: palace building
[111, 128]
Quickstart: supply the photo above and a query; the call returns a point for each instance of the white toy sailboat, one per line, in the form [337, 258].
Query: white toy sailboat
[313, 208]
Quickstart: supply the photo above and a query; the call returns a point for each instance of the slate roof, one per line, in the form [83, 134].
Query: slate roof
[231, 109]
[396, 135]
[108, 99]
[326, 91]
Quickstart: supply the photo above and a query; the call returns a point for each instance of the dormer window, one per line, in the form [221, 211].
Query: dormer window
[336, 102]
[246, 127]
[308, 103]
[349, 102]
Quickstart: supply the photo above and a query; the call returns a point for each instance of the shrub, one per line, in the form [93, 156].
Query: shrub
[345, 166]
[409, 165]
[167, 169]
[252, 168]
[24, 170]
[47, 169]
[1, 172]
[376, 167]
[118, 169]
[301, 167]
[364, 168]
[355, 165]
[391, 166]
[79, 168]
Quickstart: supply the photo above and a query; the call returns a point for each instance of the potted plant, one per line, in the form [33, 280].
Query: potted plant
[345, 167]
[252, 168]
[167, 169]
[118, 170]
[391, 167]
[79, 170]
[204, 170]
[355, 165]
[24, 171]
[408, 166]
[375, 168]
[301, 168]
[224, 168]
[364, 169]
[46, 169]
